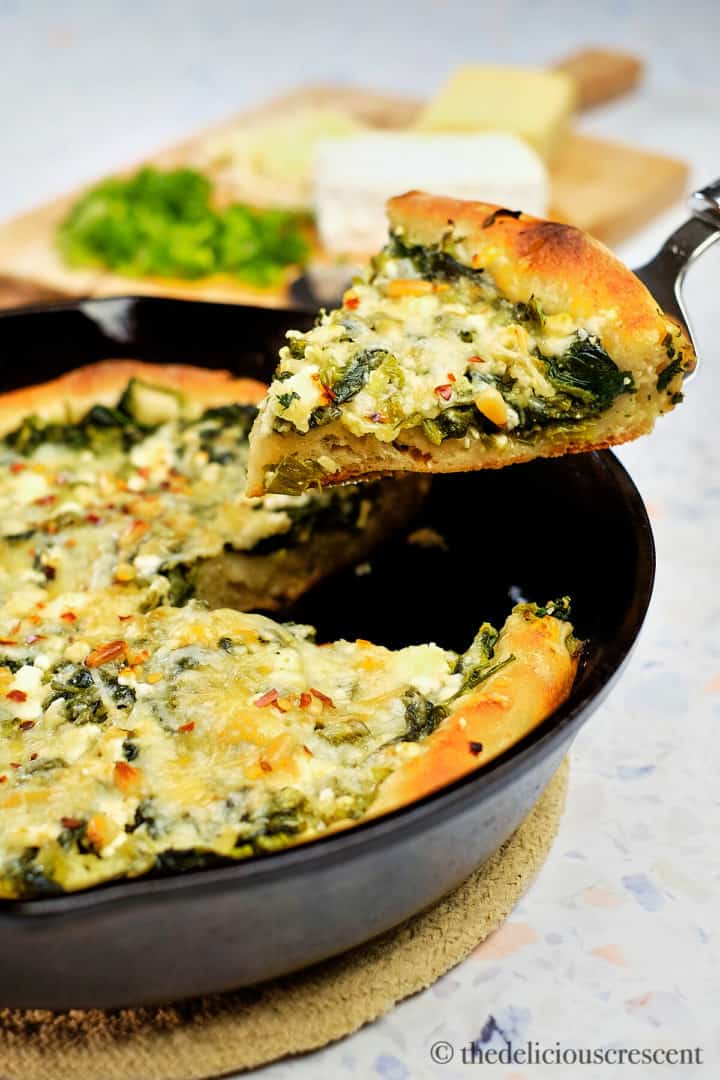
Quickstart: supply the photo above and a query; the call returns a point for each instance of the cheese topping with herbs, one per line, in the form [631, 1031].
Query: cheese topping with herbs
[167, 739]
[426, 342]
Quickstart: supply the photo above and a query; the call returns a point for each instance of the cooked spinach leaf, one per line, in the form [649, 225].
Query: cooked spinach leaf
[586, 374]
[433, 263]
[476, 665]
[293, 476]
[668, 373]
[353, 377]
[182, 584]
[421, 716]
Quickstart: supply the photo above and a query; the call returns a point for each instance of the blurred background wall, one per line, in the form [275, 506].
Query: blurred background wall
[88, 86]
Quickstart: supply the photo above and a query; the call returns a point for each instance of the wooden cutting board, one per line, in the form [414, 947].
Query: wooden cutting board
[604, 187]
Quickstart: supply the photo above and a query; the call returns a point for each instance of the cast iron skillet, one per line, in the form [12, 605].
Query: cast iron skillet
[575, 525]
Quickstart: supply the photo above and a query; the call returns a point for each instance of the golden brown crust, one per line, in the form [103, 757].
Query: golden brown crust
[565, 268]
[68, 397]
[490, 719]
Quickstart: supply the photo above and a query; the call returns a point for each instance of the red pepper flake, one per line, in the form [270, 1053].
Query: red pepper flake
[190, 726]
[69, 616]
[352, 302]
[445, 391]
[475, 748]
[33, 638]
[328, 392]
[93, 519]
[265, 765]
[45, 500]
[71, 822]
[322, 697]
[124, 618]
[33, 756]
[305, 699]
[451, 377]
[308, 751]
[475, 360]
[113, 650]
[3, 779]
[16, 695]
[14, 764]
[377, 418]
[268, 698]
[18, 466]
[7, 641]
[26, 725]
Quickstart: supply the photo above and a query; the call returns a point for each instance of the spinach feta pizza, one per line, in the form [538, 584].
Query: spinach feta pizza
[478, 337]
[133, 475]
[169, 739]
[146, 725]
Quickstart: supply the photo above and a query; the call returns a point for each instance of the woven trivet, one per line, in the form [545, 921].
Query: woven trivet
[226, 1033]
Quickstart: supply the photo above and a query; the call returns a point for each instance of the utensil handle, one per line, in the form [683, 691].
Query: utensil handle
[665, 273]
[705, 203]
[689, 241]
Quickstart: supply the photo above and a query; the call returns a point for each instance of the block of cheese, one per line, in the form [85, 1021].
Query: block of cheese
[531, 103]
[354, 177]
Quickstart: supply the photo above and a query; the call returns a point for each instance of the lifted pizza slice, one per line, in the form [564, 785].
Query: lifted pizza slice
[477, 338]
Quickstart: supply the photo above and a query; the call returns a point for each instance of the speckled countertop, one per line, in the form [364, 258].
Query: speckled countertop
[616, 944]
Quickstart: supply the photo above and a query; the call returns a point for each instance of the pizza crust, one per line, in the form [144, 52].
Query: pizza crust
[67, 398]
[500, 712]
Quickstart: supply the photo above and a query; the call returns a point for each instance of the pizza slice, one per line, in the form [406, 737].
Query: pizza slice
[132, 476]
[478, 337]
[170, 739]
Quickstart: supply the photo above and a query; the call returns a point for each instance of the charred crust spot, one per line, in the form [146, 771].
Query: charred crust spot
[475, 748]
[501, 212]
[561, 239]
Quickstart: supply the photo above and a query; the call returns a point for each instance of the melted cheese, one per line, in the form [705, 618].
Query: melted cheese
[403, 350]
[212, 731]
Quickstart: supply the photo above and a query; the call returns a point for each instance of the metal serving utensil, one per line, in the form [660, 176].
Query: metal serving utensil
[665, 273]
